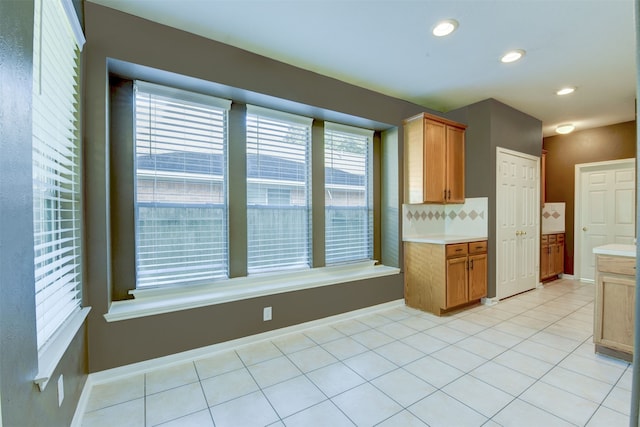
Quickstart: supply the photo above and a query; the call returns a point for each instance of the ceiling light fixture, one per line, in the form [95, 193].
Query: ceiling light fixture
[512, 55]
[566, 90]
[444, 28]
[564, 129]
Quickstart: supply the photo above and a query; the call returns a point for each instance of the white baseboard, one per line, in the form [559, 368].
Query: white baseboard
[108, 375]
[489, 301]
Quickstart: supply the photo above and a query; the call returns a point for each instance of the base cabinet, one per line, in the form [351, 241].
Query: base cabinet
[614, 303]
[439, 278]
[551, 256]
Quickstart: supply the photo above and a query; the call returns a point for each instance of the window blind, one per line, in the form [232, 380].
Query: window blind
[180, 202]
[56, 168]
[348, 195]
[278, 192]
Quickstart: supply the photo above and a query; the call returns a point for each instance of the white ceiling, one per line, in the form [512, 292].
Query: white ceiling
[387, 46]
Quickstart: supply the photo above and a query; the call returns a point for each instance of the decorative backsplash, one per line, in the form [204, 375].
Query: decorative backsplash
[553, 218]
[469, 219]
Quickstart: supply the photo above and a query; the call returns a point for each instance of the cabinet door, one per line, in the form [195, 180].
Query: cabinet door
[455, 165]
[477, 276]
[457, 281]
[553, 248]
[544, 261]
[434, 161]
[614, 312]
[558, 259]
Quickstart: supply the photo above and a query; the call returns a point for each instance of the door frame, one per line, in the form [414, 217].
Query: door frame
[501, 150]
[577, 206]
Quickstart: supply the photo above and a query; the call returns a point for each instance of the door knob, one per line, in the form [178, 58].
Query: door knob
[584, 228]
[518, 233]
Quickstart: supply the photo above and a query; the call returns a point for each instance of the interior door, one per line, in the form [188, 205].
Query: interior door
[607, 211]
[517, 205]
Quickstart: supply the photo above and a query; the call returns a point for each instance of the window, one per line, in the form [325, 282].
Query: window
[56, 169]
[180, 201]
[348, 195]
[278, 190]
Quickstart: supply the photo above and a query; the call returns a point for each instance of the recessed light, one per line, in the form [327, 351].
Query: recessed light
[564, 129]
[512, 55]
[444, 28]
[566, 90]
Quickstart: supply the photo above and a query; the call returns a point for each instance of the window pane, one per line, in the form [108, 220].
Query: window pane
[278, 211]
[348, 212]
[56, 170]
[181, 213]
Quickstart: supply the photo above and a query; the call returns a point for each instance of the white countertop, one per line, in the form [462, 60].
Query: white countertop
[616, 249]
[444, 239]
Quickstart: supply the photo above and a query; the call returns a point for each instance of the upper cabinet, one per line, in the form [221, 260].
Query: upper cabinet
[434, 160]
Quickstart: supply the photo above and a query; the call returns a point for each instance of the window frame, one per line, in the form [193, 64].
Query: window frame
[368, 195]
[53, 345]
[170, 100]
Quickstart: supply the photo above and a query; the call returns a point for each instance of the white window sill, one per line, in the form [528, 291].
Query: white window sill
[51, 354]
[148, 302]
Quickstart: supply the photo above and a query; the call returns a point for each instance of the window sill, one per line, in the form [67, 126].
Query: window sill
[53, 351]
[148, 302]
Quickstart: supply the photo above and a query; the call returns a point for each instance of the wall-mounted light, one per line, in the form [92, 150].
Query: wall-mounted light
[565, 128]
[512, 55]
[444, 28]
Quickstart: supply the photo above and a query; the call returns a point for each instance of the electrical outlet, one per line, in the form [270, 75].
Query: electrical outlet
[266, 314]
[60, 390]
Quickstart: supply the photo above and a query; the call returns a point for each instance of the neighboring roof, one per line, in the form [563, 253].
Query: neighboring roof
[258, 167]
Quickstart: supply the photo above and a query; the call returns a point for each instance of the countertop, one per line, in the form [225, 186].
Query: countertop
[616, 249]
[444, 239]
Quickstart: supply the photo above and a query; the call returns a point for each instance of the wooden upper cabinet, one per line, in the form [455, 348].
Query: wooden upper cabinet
[434, 160]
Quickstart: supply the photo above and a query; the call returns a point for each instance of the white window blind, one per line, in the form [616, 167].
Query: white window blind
[181, 168]
[56, 167]
[278, 192]
[348, 195]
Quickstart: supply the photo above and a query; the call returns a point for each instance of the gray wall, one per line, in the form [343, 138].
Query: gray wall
[115, 41]
[22, 403]
[492, 124]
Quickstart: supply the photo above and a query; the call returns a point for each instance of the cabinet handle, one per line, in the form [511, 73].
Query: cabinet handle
[471, 264]
[459, 250]
[449, 194]
[445, 194]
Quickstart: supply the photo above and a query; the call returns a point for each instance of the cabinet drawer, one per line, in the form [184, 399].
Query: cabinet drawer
[618, 265]
[552, 238]
[560, 238]
[458, 249]
[478, 247]
[544, 239]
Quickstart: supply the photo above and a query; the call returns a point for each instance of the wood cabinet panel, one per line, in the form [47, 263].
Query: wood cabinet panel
[455, 165]
[477, 276]
[457, 281]
[551, 256]
[434, 160]
[443, 277]
[614, 310]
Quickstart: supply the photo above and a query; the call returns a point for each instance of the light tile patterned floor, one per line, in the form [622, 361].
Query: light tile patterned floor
[527, 361]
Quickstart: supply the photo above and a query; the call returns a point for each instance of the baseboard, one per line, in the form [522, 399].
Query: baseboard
[489, 301]
[108, 375]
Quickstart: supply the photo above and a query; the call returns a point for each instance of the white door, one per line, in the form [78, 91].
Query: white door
[605, 210]
[518, 223]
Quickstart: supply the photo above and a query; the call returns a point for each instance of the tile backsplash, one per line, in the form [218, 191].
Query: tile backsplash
[553, 218]
[469, 219]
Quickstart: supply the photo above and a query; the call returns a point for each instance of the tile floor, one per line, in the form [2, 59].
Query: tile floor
[526, 361]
